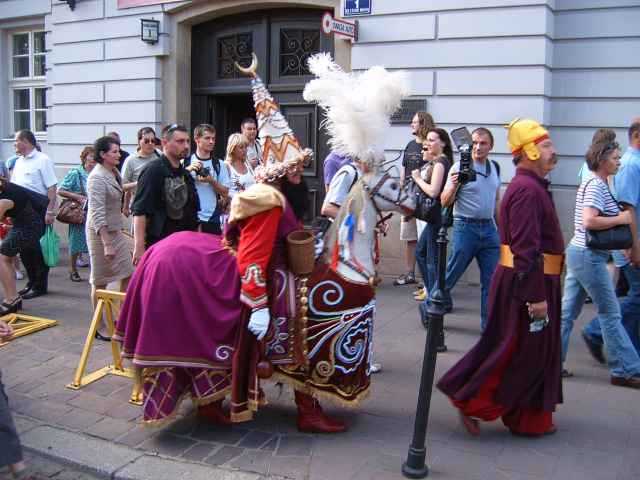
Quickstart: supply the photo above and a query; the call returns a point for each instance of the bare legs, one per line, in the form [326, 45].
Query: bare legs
[8, 278]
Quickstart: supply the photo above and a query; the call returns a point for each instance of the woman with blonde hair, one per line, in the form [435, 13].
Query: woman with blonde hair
[240, 171]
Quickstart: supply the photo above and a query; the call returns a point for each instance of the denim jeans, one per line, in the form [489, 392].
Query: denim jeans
[473, 239]
[629, 308]
[587, 274]
[427, 255]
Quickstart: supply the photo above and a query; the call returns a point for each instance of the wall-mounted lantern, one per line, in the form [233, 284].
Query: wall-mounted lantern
[150, 30]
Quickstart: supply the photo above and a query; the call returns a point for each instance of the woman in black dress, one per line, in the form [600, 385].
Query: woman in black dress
[26, 232]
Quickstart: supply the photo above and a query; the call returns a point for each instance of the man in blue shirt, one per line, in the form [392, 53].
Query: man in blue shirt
[627, 187]
[212, 180]
[475, 234]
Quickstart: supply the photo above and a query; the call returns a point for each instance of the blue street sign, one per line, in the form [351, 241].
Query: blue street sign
[357, 7]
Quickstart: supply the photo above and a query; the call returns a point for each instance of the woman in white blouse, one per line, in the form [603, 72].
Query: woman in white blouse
[240, 171]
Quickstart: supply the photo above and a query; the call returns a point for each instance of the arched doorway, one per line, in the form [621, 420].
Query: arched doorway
[282, 39]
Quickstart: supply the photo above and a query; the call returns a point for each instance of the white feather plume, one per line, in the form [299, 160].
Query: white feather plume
[357, 105]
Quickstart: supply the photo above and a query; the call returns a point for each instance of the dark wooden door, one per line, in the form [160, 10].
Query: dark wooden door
[282, 39]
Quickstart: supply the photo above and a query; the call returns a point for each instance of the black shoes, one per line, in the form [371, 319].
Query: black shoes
[101, 337]
[11, 307]
[33, 293]
[595, 349]
[26, 289]
[631, 382]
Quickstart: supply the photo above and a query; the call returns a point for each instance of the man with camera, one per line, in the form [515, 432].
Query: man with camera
[513, 371]
[473, 188]
[166, 200]
[212, 180]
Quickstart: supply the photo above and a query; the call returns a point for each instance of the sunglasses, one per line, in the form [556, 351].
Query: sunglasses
[147, 141]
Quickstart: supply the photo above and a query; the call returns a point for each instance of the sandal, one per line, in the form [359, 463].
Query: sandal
[11, 307]
[75, 277]
[405, 279]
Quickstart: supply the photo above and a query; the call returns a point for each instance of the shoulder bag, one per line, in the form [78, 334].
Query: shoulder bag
[614, 238]
[71, 211]
[427, 208]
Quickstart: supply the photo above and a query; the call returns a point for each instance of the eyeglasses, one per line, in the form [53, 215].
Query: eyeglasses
[147, 141]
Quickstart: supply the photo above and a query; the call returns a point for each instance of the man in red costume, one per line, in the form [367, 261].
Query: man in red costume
[513, 371]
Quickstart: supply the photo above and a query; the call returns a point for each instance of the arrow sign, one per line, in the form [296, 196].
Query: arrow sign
[344, 28]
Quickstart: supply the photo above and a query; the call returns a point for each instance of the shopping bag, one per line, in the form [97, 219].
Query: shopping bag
[50, 244]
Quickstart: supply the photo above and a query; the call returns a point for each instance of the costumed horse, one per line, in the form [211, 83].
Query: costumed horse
[185, 316]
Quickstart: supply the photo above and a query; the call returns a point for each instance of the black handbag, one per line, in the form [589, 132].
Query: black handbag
[614, 238]
[427, 208]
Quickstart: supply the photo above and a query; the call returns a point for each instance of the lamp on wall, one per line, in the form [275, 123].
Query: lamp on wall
[71, 3]
[149, 30]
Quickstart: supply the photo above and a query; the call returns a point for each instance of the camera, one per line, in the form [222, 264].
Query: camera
[463, 142]
[204, 172]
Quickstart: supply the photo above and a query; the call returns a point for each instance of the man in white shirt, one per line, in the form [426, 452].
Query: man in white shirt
[212, 180]
[35, 171]
[249, 130]
[339, 188]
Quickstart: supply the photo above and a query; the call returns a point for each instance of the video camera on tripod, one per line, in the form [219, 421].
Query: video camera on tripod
[464, 143]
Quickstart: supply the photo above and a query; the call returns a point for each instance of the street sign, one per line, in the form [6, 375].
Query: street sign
[357, 7]
[343, 28]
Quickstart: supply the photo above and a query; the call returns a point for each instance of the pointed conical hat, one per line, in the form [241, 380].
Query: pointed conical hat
[280, 147]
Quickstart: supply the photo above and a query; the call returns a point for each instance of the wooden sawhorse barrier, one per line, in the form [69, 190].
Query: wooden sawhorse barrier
[106, 304]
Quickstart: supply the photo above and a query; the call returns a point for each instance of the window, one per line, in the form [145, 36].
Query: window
[231, 49]
[28, 55]
[28, 93]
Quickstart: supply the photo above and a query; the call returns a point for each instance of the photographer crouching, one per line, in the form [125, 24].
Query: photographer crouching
[473, 188]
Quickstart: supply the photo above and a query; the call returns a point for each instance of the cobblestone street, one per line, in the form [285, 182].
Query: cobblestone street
[96, 427]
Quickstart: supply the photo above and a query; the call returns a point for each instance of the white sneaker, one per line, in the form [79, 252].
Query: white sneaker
[81, 262]
[19, 275]
[375, 367]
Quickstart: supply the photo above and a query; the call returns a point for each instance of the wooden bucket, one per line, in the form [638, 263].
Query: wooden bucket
[301, 252]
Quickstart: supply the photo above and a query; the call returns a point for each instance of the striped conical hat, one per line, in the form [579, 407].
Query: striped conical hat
[280, 147]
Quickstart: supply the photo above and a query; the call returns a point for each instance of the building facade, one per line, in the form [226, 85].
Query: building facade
[73, 75]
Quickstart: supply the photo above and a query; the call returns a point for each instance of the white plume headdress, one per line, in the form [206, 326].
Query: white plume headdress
[357, 106]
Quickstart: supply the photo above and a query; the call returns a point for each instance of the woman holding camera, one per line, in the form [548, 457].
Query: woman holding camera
[587, 274]
[240, 172]
[437, 152]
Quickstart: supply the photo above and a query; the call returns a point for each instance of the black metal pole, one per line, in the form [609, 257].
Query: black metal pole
[415, 466]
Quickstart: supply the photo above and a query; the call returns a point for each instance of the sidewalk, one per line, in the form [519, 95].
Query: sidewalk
[598, 425]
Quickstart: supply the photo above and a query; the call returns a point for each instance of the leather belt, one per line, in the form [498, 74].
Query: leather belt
[553, 263]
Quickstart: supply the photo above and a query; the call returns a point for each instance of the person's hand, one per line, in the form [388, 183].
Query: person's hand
[259, 322]
[195, 165]
[634, 257]
[49, 218]
[537, 309]
[5, 330]
[109, 251]
[138, 252]
[126, 211]
[625, 218]
[207, 179]
[454, 179]
[415, 174]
